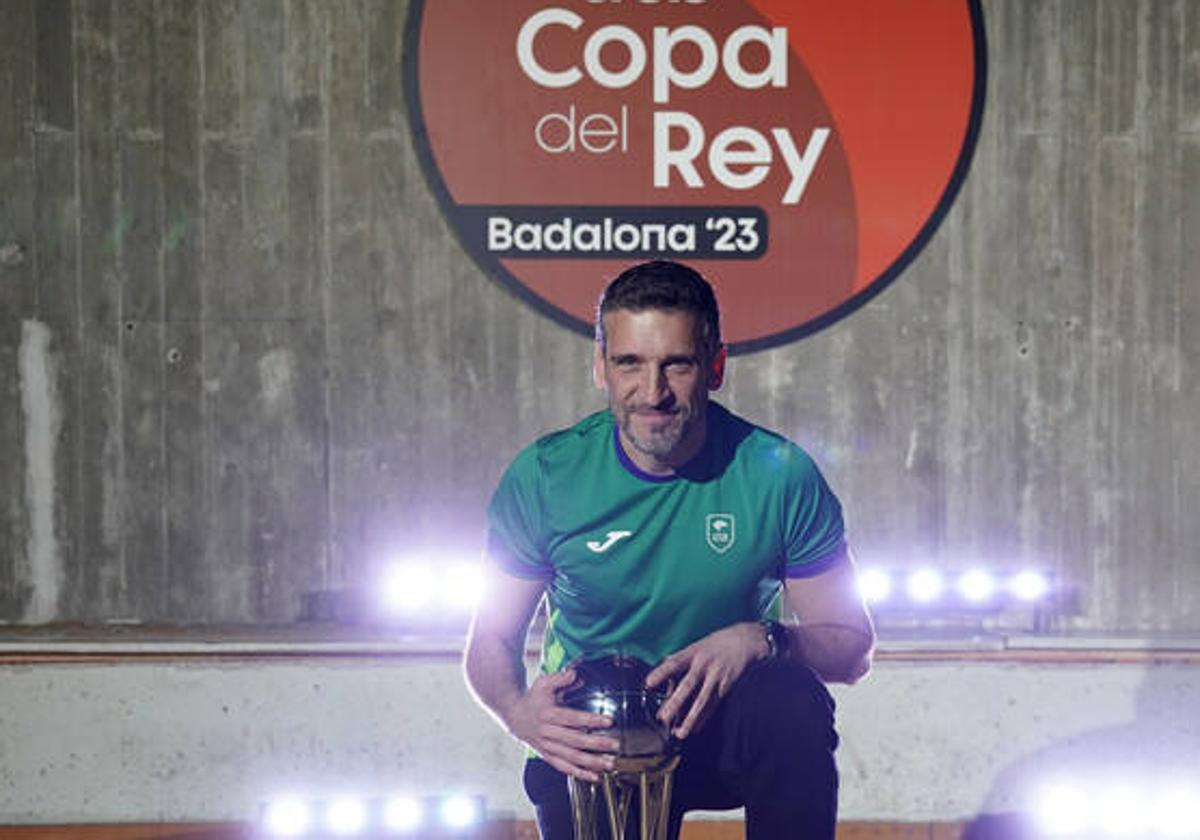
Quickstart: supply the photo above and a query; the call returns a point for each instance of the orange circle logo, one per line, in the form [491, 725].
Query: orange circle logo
[798, 153]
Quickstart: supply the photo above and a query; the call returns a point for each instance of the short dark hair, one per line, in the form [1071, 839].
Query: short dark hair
[664, 284]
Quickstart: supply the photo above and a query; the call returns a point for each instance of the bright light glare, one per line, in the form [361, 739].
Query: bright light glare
[977, 585]
[287, 817]
[925, 585]
[346, 816]
[403, 813]
[410, 587]
[1029, 586]
[462, 586]
[459, 812]
[1177, 813]
[1062, 811]
[874, 585]
[1121, 812]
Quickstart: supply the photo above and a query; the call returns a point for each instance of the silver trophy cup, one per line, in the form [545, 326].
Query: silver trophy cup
[615, 685]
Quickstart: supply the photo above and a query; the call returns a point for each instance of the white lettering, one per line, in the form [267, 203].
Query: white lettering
[801, 167]
[555, 133]
[597, 70]
[604, 235]
[722, 155]
[558, 236]
[607, 130]
[682, 158]
[528, 237]
[529, 62]
[654, 237]
[587, 238]
[499, 233]
[682, 238]
[627, 237]
[568, 122]
[774, 74]
[665, 71]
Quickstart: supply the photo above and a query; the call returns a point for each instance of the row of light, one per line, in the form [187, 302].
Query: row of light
[455, 588]
[1068, 809]
[415, 587]
[354, 816]
[931, 587]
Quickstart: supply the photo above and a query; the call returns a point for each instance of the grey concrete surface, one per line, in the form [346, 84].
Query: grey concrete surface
[242, 357]
[210, 741]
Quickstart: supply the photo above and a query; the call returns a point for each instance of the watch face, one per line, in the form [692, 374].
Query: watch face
[777, 638]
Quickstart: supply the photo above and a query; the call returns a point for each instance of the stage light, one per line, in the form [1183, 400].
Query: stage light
[448, 588]
[287, 817]
[1120, 812]
[977, 586]
[403, 814]
[1062, 811]
[346, 816]
[979, 597]
[925, 586]
[371, 817]
[1118, 808]
[462, 586]
[874, 585]
[410, 586]
[1176, 812]
[459, 812]
[1029, 586]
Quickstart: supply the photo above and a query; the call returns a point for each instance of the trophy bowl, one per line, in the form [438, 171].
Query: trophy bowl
[615, 685]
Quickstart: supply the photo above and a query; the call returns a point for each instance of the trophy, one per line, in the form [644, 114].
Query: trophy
[615, 685]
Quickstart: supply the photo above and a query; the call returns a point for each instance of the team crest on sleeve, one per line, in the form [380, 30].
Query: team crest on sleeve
[719, 531]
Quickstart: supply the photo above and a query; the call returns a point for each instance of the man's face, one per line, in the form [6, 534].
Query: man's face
[658, 381]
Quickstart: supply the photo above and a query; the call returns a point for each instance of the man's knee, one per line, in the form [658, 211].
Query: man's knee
[783, 702]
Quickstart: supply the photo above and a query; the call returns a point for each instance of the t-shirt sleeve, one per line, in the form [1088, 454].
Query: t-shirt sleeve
[815, 536]
[514, 520]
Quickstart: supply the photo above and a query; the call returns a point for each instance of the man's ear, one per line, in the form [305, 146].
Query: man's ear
[716, 369]
[598, 366]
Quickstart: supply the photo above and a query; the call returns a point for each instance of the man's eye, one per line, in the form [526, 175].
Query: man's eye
[680, 367]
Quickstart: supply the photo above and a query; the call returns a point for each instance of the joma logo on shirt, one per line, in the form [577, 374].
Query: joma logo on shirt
[719, 531]
[610, 539]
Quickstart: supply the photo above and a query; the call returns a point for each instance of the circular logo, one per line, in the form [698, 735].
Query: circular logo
[798, 153]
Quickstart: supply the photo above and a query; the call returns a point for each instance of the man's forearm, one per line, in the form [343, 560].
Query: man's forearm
[495, 671]
[837, 652]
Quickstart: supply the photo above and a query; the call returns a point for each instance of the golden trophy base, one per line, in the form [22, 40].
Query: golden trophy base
[648, 778]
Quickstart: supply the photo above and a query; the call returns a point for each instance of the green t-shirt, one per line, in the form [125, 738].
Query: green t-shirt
[646, 565]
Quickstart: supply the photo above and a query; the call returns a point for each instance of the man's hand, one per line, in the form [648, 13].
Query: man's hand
[495, 669]
[706, 670]
[560, 734]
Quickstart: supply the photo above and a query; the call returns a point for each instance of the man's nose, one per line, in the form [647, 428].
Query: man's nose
[656, 383]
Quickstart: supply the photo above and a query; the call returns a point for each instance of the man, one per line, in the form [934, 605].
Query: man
[665, 528]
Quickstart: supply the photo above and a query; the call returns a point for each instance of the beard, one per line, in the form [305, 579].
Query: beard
[657, 439]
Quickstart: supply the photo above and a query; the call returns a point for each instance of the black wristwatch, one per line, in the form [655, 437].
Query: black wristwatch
[777, 638]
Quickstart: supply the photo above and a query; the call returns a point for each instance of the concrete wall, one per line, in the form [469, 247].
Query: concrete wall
[242, 358]
[206, 740]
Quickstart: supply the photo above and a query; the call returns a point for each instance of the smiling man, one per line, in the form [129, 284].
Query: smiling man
[669, 529]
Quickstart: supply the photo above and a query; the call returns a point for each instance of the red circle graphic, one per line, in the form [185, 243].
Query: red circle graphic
[799, 154]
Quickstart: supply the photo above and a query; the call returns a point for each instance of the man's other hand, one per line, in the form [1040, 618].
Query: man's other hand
[562, 736]
[705, 671]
